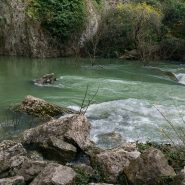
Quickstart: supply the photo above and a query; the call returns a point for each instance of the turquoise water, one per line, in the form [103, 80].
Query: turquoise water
[126, 94]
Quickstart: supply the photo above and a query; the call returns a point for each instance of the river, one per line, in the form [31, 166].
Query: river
[126, 101]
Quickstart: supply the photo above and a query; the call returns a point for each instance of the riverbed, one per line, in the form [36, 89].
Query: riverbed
[127, 94]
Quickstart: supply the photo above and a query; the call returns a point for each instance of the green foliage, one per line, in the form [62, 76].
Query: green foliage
[130, 26]
[62, 18]
[153, 29]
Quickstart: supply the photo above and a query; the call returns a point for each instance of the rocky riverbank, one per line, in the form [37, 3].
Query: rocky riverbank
[60, 152]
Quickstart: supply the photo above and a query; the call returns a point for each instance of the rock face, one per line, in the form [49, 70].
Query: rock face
[111, 162]
[21, 35]
[9, 149]
[40, 108]
[150, 168]
[55, 174]
[60, 139]
[17, 180]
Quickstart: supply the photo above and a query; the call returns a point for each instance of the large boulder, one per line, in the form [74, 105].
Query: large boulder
[25, 167]
[60, 139]
[150, 168]
[17, 180]
[9, 149]
[41, 108]
[55, 174]
[110, 163]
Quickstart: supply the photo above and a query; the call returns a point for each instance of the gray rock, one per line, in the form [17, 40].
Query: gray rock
[29, 169]
[180, 178]
[41, 108]
[150, 168]
[17, 180]
[59, 139]
[55, 174]
[110, 163]
[9, 149]
[21, 35]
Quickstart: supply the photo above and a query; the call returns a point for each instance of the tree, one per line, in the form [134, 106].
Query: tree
[144, 22]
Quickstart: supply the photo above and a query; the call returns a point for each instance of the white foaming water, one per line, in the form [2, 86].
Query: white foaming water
[135, 120]
[181, 78]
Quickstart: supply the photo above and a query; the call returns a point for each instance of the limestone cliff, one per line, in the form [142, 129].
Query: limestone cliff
[22, 36]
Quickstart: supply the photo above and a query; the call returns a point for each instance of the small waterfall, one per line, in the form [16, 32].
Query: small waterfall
[181, 78]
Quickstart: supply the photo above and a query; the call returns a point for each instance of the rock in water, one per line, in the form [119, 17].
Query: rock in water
[46, 79]
[150, 168]
[55, 174]
[41, 108]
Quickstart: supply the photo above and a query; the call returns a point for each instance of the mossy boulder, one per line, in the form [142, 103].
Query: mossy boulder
[41, 108]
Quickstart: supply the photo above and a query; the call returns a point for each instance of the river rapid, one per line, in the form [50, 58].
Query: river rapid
[128, 102]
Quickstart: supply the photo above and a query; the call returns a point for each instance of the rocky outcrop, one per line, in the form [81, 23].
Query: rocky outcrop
[110, 163]
[60, 139]
[40, 108]
[150, 168]
[55, 174]
[23, 36]
[17, 180]
[67, 141]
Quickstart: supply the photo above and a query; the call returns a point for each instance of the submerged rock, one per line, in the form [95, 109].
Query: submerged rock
[17, 180]
[41, 108]
[46, 79]
[60, 139]
[111, 162]
[167, 74]
[150, 168]
[109, 140]
[55, 174]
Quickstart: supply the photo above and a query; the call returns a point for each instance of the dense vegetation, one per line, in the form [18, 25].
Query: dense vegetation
[62, 18]
[143, 29]
[139, 29]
